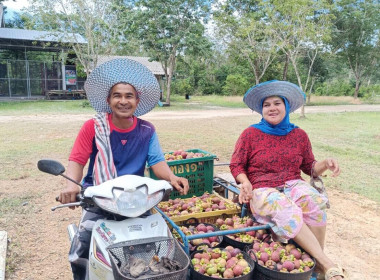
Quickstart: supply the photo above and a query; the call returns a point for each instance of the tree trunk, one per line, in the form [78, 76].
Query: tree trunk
[257, 74]
[285, 72]
[302, 116]
[171, 67]
[169, 80]
[168, 85]
[293, 60]
[310, 90]
[357, 86]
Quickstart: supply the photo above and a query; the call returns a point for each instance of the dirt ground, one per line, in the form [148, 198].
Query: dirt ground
[38, 236]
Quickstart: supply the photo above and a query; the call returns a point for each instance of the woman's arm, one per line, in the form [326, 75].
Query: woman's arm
[245, 194]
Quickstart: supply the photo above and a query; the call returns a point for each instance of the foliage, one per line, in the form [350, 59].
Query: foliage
[323, 46]
[243, 28]
[90, 19]
[182, 87]
[335, 88]
[166, 28]
[356, 36]
[370, 92]
[236, 84]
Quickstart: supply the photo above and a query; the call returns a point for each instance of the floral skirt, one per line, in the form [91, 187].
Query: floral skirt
[287, 207]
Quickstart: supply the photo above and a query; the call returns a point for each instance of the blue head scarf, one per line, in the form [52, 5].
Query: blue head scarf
[283, 128]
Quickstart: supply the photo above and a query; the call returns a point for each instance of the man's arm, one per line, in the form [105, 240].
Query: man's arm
[162, 171]
[75, 172]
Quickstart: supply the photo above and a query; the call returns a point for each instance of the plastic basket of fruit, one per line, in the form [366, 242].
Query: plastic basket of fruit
[243, 239]
[221, 263]
[149, 259]
[206, 208]
[196, 165]
[275, 260]
[199, 228]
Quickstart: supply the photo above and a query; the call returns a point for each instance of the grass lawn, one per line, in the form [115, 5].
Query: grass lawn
[351, 137]
[207, 102]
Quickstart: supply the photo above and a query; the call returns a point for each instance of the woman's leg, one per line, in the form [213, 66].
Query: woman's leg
[319, 233]
[309, 242]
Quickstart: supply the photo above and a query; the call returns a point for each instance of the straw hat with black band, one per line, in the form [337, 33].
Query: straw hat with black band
[122, 70]
[255, 96]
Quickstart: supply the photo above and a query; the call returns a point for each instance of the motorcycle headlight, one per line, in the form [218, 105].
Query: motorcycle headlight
[130, 203]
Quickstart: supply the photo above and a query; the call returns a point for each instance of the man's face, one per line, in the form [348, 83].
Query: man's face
[123, 100]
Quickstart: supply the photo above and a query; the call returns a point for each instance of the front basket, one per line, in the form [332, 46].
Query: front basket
[146, 249]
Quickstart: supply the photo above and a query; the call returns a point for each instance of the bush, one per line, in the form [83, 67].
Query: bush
[369, 92]
[236, 84]
[207, 86]
[182, 87]
[336, 88]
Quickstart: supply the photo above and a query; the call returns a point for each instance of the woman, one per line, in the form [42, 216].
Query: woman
[267, 162]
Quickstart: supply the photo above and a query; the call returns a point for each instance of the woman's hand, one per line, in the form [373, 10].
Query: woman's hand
[327, 164]
[332, 164]
[245, 192]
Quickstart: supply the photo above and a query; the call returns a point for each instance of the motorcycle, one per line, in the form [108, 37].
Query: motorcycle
[123, 201]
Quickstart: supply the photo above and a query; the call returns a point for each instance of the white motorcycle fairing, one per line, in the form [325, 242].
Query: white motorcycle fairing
[106, 232]
[128, 183]
[129, 195]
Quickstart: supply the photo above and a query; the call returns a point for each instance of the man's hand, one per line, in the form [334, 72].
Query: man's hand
[69, 194]
[180, 184]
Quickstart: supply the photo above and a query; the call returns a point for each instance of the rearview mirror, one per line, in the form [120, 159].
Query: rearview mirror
[50, 166]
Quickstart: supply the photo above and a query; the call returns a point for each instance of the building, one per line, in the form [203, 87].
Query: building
[22, 75]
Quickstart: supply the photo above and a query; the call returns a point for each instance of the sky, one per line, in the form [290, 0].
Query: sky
[14, 6]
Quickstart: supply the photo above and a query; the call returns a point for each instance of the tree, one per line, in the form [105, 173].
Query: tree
[166, 28]
[91, 19]
[243, 27]
[356, 36]
[301, 29]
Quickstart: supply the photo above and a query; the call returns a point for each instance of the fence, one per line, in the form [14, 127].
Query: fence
[27, 78]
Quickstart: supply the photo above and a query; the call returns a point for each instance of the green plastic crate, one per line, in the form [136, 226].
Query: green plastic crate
[198, 171]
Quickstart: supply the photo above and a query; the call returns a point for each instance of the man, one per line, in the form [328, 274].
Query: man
[115, 141]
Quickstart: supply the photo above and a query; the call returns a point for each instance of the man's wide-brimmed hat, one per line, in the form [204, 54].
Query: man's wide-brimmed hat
[122, 70]
[255, 96]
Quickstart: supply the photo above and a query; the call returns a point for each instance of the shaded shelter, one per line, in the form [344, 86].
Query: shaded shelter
[33, 62]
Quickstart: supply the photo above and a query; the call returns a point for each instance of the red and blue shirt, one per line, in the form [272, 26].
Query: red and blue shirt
[132, 148]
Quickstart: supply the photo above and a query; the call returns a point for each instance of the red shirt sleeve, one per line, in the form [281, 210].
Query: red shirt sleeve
[82, 148]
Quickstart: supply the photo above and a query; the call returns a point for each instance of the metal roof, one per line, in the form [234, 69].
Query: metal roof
[45, 36]
[153, 66]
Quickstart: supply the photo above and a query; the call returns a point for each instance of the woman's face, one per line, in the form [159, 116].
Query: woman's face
[274, 110]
